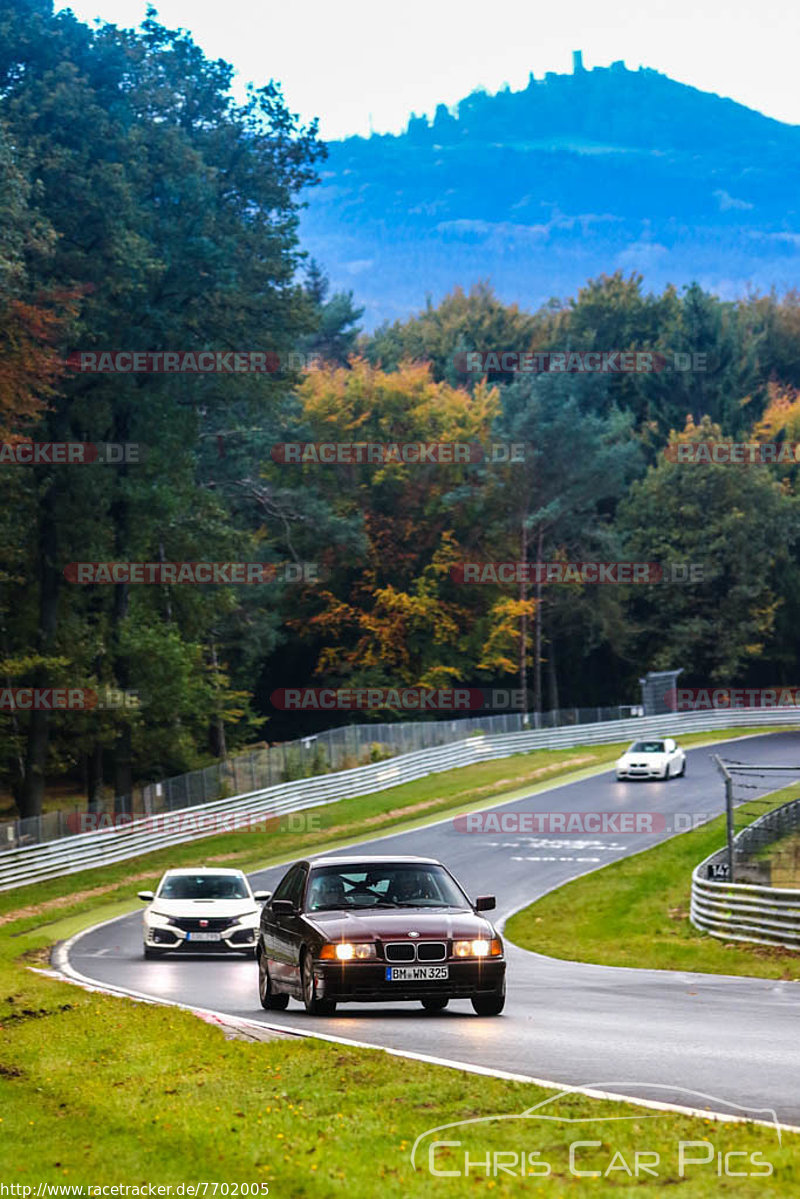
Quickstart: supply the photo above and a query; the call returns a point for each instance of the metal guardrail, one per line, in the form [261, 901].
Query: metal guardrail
[327, 752]
[102, 847]
[749, 911]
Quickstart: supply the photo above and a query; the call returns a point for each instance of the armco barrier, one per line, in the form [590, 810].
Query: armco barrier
[749, 911]
[85, 851]
[326, 752]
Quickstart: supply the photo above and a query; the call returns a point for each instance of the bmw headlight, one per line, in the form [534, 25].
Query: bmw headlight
[348, 951]
[480, 948]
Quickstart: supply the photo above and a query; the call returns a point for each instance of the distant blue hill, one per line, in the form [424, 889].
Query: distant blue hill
[540, 189]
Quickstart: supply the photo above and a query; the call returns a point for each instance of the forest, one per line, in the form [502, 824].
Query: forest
[143, 210]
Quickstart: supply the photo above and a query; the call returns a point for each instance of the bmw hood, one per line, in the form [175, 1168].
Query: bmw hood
[385, 924]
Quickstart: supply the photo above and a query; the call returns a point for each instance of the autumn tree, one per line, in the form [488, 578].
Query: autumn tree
[739, 525]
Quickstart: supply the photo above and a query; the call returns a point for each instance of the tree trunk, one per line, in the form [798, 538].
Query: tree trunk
[94, 776]
[18, 767]
[216, 730]
[537, 641]
[552, 675]
[31, 791]
[122, 769]
[523, 624]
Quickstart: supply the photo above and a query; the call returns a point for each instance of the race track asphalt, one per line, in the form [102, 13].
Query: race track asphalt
[655, 1034]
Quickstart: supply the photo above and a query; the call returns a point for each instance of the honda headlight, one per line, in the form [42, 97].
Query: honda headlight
[160, 918]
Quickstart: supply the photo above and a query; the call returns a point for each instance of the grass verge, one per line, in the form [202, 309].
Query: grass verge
[635, 912]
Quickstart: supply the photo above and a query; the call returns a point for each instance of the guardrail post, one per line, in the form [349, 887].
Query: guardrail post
[728, 812]
[729, 824]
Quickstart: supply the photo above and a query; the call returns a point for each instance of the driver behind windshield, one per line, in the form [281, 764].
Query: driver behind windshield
[327, 891]
[410, 885]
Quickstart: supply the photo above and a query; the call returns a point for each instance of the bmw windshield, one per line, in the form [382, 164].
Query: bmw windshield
[331, 888]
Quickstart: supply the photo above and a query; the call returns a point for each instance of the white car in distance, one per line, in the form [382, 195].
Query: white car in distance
[658, 758]
[201, 909]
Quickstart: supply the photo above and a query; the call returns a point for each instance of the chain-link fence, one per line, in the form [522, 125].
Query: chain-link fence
[763, 904]
[768, 850]
[321, 753]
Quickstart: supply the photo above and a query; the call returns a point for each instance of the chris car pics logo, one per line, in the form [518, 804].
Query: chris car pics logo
[478, 1149]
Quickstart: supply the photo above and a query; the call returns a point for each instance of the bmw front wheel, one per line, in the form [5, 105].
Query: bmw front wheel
[313, 1005]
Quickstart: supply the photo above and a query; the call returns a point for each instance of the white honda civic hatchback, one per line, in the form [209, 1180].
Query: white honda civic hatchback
[661, 758]
[204, 908]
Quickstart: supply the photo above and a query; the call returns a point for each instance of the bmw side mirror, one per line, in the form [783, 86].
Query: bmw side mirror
[147, 896]
[282, 907]
[261, 896]
[485, 903]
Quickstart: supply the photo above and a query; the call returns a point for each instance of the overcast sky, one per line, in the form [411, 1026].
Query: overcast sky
[369, 63]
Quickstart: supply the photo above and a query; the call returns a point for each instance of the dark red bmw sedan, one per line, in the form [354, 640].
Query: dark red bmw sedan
[377, 929]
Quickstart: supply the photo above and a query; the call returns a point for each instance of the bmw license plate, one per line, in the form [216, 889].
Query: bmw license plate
[415, 974]
[202, 936]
